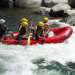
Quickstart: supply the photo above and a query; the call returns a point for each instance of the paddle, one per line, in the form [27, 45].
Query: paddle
[30, 33]
[28, 41]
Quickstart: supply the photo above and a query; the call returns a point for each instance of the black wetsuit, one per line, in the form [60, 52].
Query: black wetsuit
[39, 32]
[22, 32]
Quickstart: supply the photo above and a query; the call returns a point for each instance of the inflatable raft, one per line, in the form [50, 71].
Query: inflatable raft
[60, 35]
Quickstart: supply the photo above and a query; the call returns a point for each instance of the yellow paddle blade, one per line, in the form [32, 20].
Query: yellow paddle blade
[28, 41]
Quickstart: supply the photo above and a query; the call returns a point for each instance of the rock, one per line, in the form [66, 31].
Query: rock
[72, 3]
[11, 2]
[50, 3]
[71, 12]
[59, 10]
[28, 3]
[58, 13]
[61, 6]
[43, 10]
[47, 3]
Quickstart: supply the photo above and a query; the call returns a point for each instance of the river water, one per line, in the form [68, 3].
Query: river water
[13, 16]
[47, 59]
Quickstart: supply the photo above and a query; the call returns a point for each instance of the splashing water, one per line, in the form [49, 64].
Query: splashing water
[70, 20]
[47, 59]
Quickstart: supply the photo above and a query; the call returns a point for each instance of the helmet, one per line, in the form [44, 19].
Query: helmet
[24, 24]
[24, 20]
[45, 19]
[2, 21]
[40, 24]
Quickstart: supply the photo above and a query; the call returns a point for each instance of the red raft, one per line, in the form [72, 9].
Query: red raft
[60, 35]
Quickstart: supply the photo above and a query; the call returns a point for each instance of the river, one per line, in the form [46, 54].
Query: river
[47, 59]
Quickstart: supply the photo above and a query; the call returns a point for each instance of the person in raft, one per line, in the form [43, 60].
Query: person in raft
[32, 30]
[39, 30]
[47, 32]
[23, 20]
[46, 26]
[23, 31]
[3, 28]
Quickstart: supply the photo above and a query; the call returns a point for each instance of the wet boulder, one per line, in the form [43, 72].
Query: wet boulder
[50, 3]
[42, 10]
[72, 3]
[59, 10]
[28, 3]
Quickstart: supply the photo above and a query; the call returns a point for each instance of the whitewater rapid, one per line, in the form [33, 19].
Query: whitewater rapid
[18, 60]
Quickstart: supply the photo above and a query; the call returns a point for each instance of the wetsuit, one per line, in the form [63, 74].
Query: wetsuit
[22, 31]
[39, 32]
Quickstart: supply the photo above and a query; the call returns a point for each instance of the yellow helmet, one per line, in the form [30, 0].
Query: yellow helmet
[24, 20]
[40, 24]
[24, 24]
[45, 19]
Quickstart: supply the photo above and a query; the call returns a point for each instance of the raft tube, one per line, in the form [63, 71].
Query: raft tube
[60, 35]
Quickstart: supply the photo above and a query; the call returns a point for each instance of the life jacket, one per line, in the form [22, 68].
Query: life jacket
[46, 26]
[22, 30]
[39, 31]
